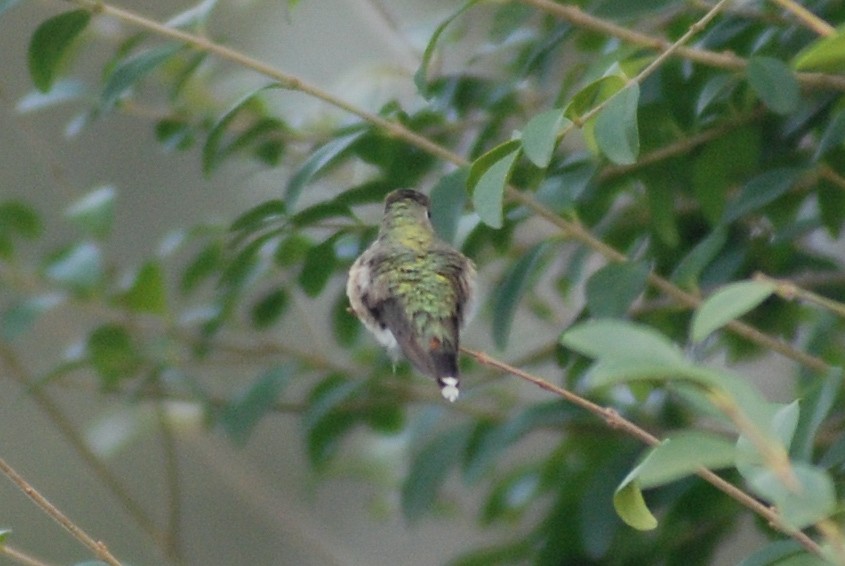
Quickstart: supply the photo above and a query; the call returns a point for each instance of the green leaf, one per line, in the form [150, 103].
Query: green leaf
[318, 267]
[240, 416]
[617, 132]
[325, 420]
[832, 137]
[257, 217]
[612, 289]
[213, 150]
[194, 17]
[421, 76]
[730, 302]
[510, 290]
[760, 191]
[269, 308]
[319, 162]
[810, 501]
[487, 180]
[630, 506]
[204, 265]
[94, 212]
[688, 271]
[682, 454]
[831, 199]
[774, 83]
[320, 211]
[782, 553]
[540, 136]
[448, 198]
[816, 404]
[18, 317]
[344, 324]
[148, 292]
[592, 95]
[429, 469]
[623, 341]
[129, 72]
[112, 354]
[50, 42]
[19, 218]
[79, 268]
[826, 54]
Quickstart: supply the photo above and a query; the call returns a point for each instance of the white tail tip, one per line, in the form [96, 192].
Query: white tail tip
[449, 388]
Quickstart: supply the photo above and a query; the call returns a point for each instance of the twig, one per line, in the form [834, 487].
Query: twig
[789, 291]
[98, 547]
[617, 421]
[20, 556]
[173, 547]
[806, 17]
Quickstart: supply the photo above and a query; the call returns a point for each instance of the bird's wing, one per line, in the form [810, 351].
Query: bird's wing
[392, 314]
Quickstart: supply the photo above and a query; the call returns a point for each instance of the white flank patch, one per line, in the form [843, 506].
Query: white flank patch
[449, 389]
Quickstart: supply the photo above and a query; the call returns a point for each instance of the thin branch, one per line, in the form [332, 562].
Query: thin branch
[20, 557]
[173, 530]
[98, 547]
[790, 291]
[617, 421]
[17, 372]
[806, 17]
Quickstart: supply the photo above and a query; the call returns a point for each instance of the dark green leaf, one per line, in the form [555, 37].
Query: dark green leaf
[612, 289]
[688, 270]
[80, 268]
[488, 192]
[18, 218]
[206, 263]
[540, 136]
[760, 191]
[240, 416]
[727, 304]
[174, 134]
[344, 324]
[831, 200]
[592, 95]
[511, 496]
[319, 162]
[421, 76]
[321, 211]
[832, 137]
[148, 292]
[448, 198]
[816, 405]
[774, 83]
[213, 151]
[112, 353]
[826, 54]
[319, 266]
[49, 44]
[325, 420]
[715, 90]
[269, 308]
[429, 469]
[661, 204]
[131, 71]
[510, 290]
[94, 212]
[257, 217]
[617, 132]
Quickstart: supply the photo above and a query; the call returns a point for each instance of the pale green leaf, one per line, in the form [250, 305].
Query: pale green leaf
[540, 136]
[488, 193]
[631, 508]
[728, 303]
[617, 132]
[826, 54]
[774, 83]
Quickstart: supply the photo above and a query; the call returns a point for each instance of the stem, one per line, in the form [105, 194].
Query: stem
[806, 17]
[98, 547]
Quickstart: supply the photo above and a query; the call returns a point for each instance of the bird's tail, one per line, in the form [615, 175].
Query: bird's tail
[446, 372]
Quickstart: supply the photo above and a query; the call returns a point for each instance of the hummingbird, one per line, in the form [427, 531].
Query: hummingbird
[413, 291]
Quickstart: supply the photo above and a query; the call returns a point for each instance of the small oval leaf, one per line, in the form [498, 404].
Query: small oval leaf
[730, 302]
[488, 193]
[617, 132]
[49, 44]
[774, 83]
[540, 136]
[612, 289]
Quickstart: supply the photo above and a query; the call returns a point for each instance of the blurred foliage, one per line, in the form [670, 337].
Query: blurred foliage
[702, 174]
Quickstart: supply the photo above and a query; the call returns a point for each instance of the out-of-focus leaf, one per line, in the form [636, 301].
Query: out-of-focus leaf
[488, 178]
[760, 191]
[774, 83]
[148, 292]
[429, 469]
[510, 290]
[688, 270]
[727, 304]
[826, 54]
[715, 90]
[448, 198]
[174, 134]
[112, 353]
[344, 324]
[195, 16]
[205, 264]
[816, 405]
[681, 454]
[129, 72]
[240, 416]
[421, 76]
[812, 501]
[60, 92]
[49, 44]
[617, 131]
[17, 218]
[325, 421]
[661, 204]
[321, 211]
[319, 266]
[269, 308]
[79, 268]
[540, 136]
[213, 150]
[623, 341]
[19, 316]
[832, 137]
[267, 212]
[94, 212]
[778, 553]
[319, 162]
[592, 95]
[831, 200]
[612, 289]
[512, 496]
